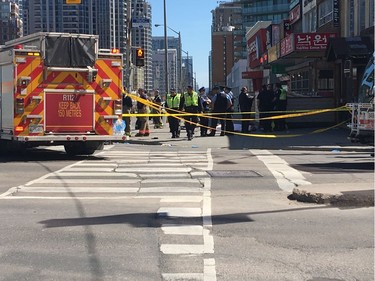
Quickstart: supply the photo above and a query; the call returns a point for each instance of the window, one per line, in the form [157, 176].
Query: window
[325, 12]
[300, 83]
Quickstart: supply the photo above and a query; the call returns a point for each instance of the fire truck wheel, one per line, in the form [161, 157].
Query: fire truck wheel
[82, 148]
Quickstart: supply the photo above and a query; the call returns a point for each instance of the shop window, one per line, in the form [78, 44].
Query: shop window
[300, 83]
[325, 81]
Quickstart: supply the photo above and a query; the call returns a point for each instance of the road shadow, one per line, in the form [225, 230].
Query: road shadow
[44, 155]
[336, 167]
[154, 220]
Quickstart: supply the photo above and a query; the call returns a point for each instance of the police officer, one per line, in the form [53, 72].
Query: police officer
[205, 104]
[220, 103]
[245, 102]
[280, 105]
[127, 106]
[172, 105]
[229, 126]
[190, 103]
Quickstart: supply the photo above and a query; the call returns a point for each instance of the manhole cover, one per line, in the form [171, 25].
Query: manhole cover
[233, 174]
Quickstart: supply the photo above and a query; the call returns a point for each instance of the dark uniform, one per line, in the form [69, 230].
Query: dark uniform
[245, 102]
[205, 104]
[220, 104]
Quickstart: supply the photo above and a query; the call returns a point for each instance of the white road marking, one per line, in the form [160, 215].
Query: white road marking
[75, 189]
[183, 276]
[179, 212]
[182, 229]
[170, 189]
[287, 178]
[181, 249]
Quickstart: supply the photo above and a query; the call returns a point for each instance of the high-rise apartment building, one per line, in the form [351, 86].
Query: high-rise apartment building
[158, 65]
[142, 37]
[11, 23]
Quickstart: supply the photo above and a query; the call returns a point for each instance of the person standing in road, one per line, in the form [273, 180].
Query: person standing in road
[127, 106]
[229, 126]
[172, 105]
[190, 103]
[220, 103]
[205, 104]
[245, 103]
[280, 105]
[266, 100]
[158, 124]
[144, 129]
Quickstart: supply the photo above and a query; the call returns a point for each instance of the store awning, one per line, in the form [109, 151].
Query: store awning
[349, 48]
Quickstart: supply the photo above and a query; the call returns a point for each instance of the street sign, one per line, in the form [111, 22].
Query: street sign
[73, 1]
[140, 22]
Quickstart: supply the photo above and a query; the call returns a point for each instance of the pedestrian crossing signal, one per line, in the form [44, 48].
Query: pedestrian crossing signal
[140, 57]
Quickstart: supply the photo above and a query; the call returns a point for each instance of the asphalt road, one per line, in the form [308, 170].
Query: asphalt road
[160, 209]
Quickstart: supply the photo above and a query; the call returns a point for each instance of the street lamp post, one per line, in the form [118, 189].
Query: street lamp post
[166, 49]
[179, 55]
[189, 68]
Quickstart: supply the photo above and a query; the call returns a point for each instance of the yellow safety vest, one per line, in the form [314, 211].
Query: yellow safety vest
[191, 100]
[173, 101]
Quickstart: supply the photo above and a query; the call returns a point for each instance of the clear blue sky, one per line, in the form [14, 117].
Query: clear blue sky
[193, 19]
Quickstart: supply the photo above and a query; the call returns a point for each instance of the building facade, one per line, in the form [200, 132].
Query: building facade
[318, 53]
[11, 24]
[142, 37]
[159, 70]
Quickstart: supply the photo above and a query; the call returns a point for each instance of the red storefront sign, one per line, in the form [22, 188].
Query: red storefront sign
[312, 41]
[287, 45]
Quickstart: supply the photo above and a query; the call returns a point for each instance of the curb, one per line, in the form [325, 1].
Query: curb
[343, 198]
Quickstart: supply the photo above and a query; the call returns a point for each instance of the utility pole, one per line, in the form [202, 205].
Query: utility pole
[166, 49]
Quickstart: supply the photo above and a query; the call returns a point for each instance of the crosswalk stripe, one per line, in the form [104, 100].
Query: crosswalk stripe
[182, 229]
[130, 181]
[183, 276]
[171, 189]
[181, 249]
[80, 189]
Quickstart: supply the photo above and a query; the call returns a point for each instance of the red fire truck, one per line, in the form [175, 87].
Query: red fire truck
[59, 89]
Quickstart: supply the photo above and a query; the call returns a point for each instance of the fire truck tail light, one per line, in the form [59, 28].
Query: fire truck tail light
[76, 138]
[18, 47]
[115, 51]
[19, 129]
[68, 138]
[84, 138]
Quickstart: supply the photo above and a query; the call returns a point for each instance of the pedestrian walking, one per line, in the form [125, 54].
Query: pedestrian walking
[158, 124]
[280, 106]
[190, 104]
[245, 103]
[266, 100]
[127, 106]
[205, 104]
[142, 107]
[172, 105]
[220, 103]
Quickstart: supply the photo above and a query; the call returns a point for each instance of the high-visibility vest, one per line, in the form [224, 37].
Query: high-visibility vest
[173, 101]
[191, 100]
[282, 94]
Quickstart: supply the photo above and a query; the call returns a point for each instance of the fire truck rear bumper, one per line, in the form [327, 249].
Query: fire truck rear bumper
[70, 138]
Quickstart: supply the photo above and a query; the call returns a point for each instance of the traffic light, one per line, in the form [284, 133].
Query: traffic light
[140, 57]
